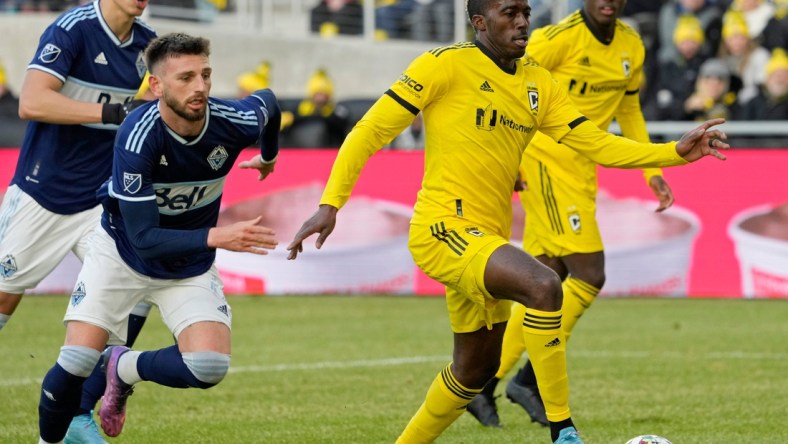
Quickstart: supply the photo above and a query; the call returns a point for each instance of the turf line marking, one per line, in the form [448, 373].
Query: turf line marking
[389, 362]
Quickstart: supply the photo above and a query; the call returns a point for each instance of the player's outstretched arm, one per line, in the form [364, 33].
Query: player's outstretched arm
[245, 236]
[322, 222]
[703, 141]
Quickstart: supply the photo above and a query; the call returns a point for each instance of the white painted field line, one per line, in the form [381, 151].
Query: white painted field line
[390, 362]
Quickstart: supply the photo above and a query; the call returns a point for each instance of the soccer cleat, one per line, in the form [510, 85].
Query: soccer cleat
[568, 436]
[483, 408]
[113, 404]
[527, 396]
[83, 430]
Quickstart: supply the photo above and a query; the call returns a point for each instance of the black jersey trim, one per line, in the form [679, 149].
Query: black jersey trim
[573, 124]
[415, 111]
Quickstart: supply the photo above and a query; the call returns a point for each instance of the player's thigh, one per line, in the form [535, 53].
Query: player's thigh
[560, 218]
[186, 302]
[33, 240]
[455, 254]
[106, 290]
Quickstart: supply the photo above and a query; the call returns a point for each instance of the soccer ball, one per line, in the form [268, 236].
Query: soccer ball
[648, 439]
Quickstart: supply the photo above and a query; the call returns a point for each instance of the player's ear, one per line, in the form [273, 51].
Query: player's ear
[154, 83]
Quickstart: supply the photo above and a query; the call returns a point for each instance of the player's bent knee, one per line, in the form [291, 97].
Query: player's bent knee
[78, 360]
[208, 368]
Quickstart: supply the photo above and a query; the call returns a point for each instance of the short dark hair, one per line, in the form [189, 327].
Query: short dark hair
[476, 7]
[175, 44]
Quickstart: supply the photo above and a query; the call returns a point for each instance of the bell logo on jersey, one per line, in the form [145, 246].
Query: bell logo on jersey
[78, 294]
[49, 54]
[179, 199]
[217, 157]
[132, 183]
[8, 266]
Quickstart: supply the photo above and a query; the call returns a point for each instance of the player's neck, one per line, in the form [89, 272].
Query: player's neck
[118, 20]
[185, 128]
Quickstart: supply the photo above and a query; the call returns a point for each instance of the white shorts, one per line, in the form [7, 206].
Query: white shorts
[33, 240]
[107, 290]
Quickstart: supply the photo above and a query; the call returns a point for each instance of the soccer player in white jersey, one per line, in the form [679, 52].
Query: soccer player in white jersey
[78, 87]
[157, 240]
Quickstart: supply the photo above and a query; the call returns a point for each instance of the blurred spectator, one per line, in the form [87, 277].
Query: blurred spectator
[756, 13]
[710, 20]
[677, 77]
[413, 138]
[12, 128]
[433, 20]
[712, 98]
[332, 17]
[745, 59]
[43, 5]
[318, 113]
[251, 81]
[391, 18]
[775, 34]
[771, 102]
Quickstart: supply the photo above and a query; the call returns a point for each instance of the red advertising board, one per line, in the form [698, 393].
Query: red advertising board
[725, 236]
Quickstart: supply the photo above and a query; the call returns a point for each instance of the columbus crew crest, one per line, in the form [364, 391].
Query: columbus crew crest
[533, 99]
[627, 67]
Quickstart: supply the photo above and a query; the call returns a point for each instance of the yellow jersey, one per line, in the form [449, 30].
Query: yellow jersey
[602, 79]
[479, 116]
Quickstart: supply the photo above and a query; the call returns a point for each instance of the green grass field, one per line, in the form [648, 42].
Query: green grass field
[354, 369]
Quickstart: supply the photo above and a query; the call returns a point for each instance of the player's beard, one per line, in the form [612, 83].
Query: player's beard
[183, 111]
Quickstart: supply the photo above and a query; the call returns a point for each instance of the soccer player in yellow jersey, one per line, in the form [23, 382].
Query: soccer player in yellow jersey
[481, 108]
[599, 60]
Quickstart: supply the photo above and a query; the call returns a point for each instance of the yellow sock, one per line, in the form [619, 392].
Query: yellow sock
[513, 342]
[546, 345]
[578, 296]
[445, 402]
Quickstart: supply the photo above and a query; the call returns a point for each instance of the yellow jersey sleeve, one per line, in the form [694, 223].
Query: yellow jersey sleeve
[386, 119]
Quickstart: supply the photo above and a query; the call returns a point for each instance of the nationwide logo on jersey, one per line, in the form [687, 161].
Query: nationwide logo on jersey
[486, 117]
[8, 266]
[163, 161]
[627, 67]
[49, 54]
[486, 87]
[141, 68]
[585, 62]
[131, 182]
[217, 157]
[78, 294]
[100, 59]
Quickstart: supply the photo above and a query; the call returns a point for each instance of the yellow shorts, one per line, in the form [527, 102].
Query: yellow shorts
[560, 206]
[455, 253]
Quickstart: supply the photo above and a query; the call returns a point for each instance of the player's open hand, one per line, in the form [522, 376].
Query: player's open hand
[322, 222]
[246, 236]
[662, 191]
[703, 141]
[265, 168]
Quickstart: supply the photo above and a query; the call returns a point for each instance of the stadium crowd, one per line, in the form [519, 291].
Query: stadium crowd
[705, 59]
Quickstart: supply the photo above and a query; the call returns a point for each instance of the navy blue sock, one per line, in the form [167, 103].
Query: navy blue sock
[93, 388]
[166, 367]
[60, 394]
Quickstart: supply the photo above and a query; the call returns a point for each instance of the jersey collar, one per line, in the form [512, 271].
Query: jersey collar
[488, 53]
[595, 31]
[108, 30]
